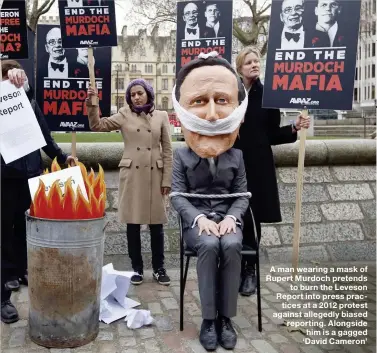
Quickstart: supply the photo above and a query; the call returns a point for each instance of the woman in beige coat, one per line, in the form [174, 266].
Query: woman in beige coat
[145, 171]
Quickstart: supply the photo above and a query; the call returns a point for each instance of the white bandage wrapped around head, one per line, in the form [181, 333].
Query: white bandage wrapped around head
[210, 128]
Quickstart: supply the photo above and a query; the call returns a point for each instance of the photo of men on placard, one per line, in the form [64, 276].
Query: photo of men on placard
[83, 3]
[213, 25]
[203, 19]
[327, 29]
[313, 24]
[62, 63]
[191, 17]
[293, 35]
[57, 63]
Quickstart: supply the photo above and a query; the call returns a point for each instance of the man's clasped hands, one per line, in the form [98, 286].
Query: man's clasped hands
[226, 226]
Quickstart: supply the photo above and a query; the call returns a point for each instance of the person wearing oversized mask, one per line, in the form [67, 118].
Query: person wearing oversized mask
[210, 102]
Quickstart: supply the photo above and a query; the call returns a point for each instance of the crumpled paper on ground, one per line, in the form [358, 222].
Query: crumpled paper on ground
[138, 318]
[114, 303]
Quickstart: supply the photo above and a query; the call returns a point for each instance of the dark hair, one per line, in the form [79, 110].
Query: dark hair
[7, 65]
[196, 63]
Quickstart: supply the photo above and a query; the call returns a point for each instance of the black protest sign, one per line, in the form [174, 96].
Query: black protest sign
[88, 23]
[63, 79]
[13, 30]
[312, 54]
[202, 27]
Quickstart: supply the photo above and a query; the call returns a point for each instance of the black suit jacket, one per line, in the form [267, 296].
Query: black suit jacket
[321, 39]
[191, 174]
[209, 32]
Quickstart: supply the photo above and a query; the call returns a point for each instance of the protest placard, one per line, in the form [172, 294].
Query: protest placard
[13, 30]
[88, 23]
[63, 79]
[62, 175]
[20, 133]
[202, 27]
[311, 55]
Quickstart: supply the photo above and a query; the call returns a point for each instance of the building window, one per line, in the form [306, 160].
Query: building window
[119, 101]
[373, 49]
[365, 93]
[368, 92]
[173, 82]
[356, 72]
[355, 94]
[165, 103]
[164, 83]
[149, 69]
[368, 71]
[119, 84]
[174, 69]
[373, 92]
[133, 68]
[164, 69]
[373, 70]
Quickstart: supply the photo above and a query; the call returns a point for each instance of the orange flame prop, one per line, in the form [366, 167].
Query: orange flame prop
[56, 205]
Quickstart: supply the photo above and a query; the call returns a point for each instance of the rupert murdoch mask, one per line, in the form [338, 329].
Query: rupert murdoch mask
[210, 102]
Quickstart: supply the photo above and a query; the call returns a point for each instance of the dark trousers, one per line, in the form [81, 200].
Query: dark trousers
[15, 200]
[249, 237]
[134, 246]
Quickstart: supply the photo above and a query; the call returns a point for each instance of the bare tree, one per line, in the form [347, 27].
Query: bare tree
[247, 30]
[34, 11]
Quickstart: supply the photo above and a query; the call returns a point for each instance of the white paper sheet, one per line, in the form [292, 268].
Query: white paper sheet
[62, 175]
[20, 133]
[114, 288]
[113, 311]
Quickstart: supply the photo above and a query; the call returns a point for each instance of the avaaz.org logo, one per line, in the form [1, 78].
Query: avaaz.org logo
[71, 124]
[303, 101]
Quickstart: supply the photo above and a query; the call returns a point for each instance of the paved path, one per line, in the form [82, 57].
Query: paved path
[164, 336]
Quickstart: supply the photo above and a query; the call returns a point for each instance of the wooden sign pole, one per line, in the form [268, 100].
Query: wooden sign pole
[299, 185]
[92, 75]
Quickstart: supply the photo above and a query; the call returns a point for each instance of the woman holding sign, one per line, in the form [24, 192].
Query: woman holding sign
[260, 130]
[15, 198]
[145, 171]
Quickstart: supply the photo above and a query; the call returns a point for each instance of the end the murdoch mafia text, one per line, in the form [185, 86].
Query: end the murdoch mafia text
[293, 70]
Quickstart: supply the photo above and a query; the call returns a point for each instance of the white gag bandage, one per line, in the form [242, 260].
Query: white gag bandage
[210, 128]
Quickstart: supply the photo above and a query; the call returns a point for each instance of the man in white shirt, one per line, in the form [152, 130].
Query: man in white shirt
[57, 64]
[327, 28]
[190, 16]
[212, 14]
[293, 34]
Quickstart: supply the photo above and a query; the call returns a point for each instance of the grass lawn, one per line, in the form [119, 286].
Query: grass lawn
[117, 137]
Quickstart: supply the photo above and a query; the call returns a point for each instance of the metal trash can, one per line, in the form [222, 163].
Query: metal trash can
[65, 259]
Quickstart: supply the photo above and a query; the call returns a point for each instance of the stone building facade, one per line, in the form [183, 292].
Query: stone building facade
[151, 57]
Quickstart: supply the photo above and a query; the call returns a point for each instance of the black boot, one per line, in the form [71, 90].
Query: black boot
[13, 284]
[208, 335]
[9, 313]
[248, 282]
[226, 334]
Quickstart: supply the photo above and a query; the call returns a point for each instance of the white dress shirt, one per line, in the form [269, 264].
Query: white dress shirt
[57, 73]
[192, 35]
[332, 32]
[291, 44]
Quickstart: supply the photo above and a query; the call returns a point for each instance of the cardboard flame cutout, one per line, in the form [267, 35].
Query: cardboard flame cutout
[56, 205]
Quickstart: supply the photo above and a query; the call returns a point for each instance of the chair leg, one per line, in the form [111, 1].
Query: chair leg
[182, 290]
[186, 271]
[258, 294]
